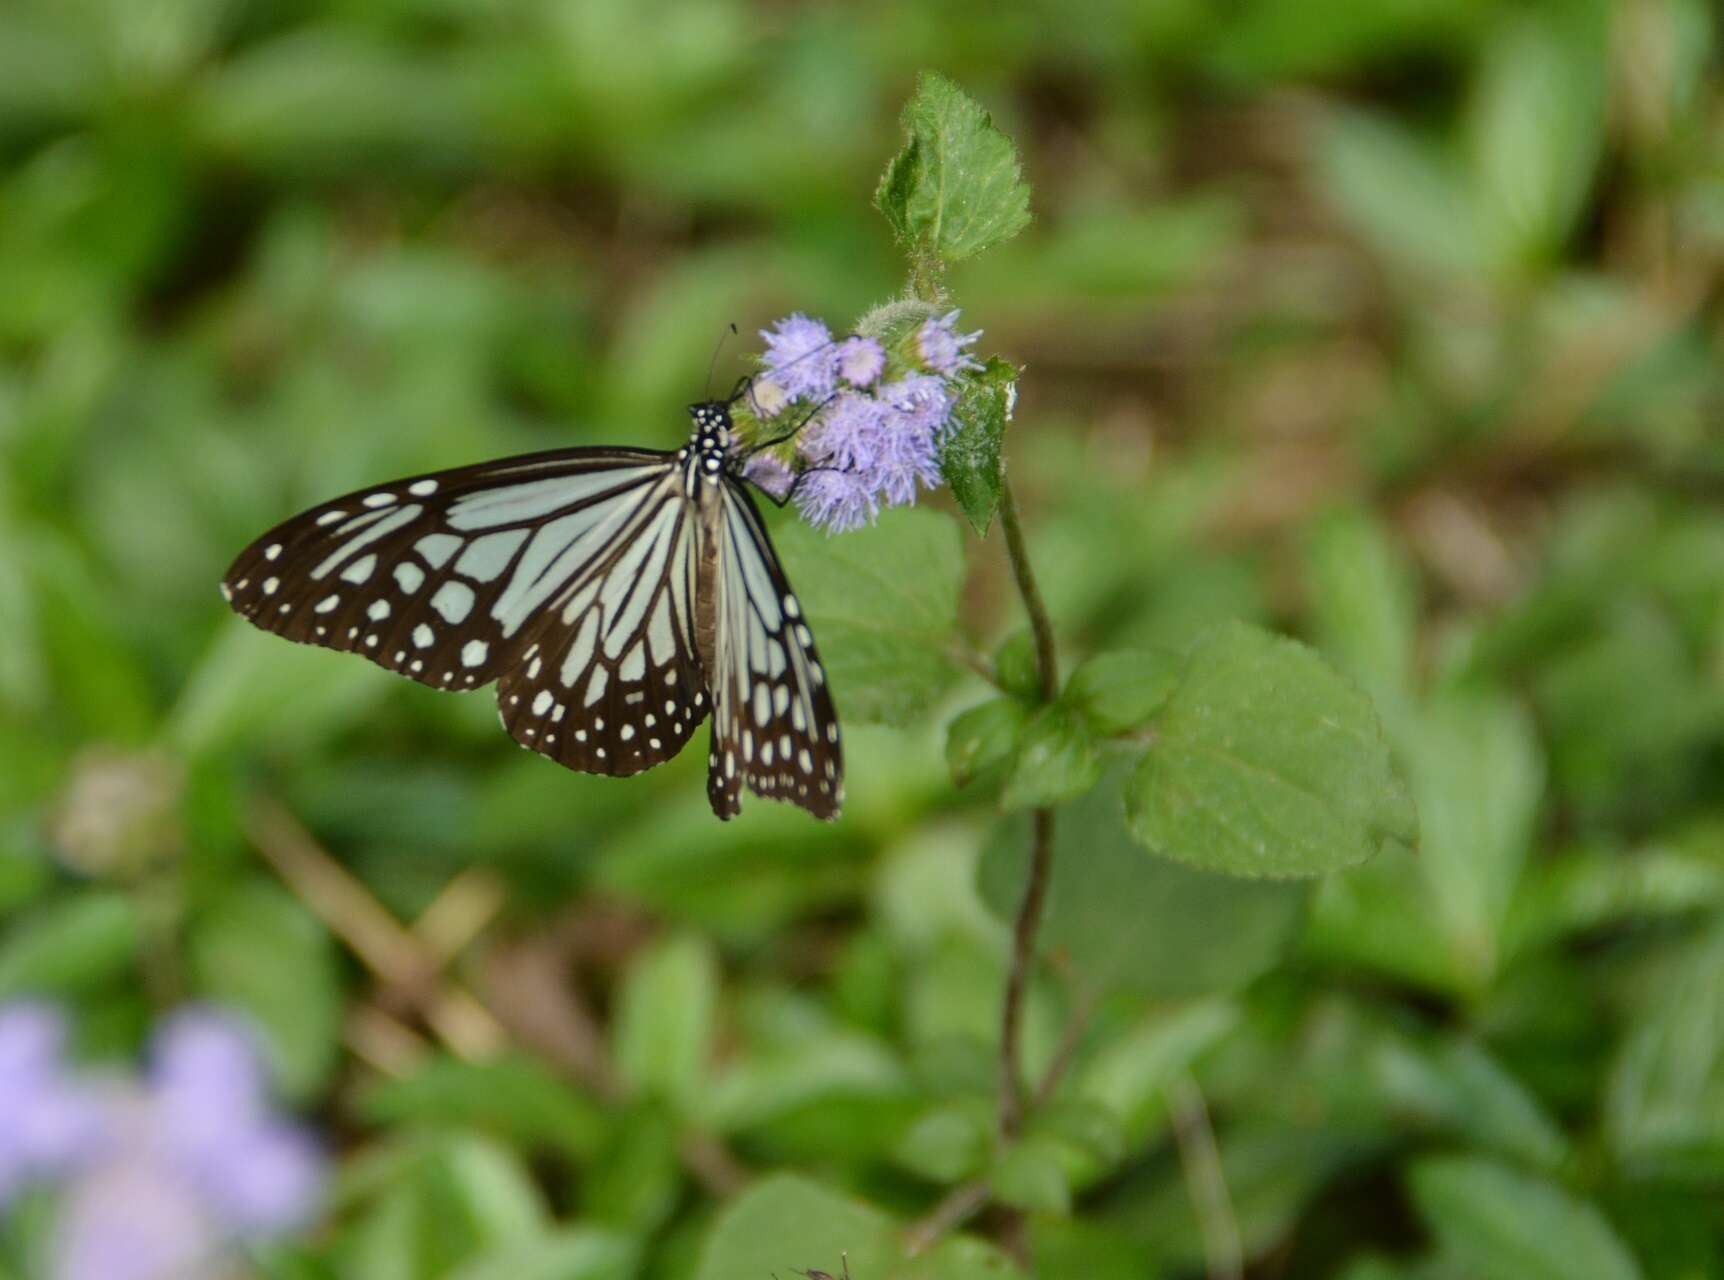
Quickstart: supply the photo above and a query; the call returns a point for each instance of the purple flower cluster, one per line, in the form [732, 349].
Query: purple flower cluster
[160, 1177]
[875, 416]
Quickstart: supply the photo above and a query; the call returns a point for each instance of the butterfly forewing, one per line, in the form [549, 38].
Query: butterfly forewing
[436, 576]
[773, 721]
[609, 680]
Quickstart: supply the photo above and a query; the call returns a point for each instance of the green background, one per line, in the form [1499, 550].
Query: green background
[1394, 326]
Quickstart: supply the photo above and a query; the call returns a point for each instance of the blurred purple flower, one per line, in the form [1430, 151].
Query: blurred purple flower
[860, 361]
[126, 1221]
[943, 348]
[801, 357]
[162, 1176]
[48, 1122]
[771, 473]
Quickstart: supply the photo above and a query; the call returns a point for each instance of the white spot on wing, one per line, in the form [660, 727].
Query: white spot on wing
[360, 570]
[422, 488]
[473, 653]
[409, 577]
[423, 638]
[454, 600]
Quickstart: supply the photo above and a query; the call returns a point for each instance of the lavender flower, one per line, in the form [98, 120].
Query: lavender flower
[860, 361]
[864, 451]
[942, 348]
[878, 415]
[801, 357]
[163, 1176]
[771, 473]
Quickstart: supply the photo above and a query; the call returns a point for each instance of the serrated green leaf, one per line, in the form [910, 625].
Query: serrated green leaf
[972, 448]
[1505, 1225]
[1127, 919]
[985, 737]
[257, 949]
[956, 187]
[784, 1223]
[1122, 690]
[883, 604]
[665, 1019]
[1057, 761]
[1267, 763]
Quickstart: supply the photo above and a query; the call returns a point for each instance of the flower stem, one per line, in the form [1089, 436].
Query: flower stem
[1029, 918]
[1047, 665]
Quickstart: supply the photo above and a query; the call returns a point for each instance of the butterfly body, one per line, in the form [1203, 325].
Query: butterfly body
[617, 597]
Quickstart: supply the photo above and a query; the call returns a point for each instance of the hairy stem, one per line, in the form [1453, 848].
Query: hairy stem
[1029, 918]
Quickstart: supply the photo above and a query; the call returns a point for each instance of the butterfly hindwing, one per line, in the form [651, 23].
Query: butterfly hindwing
[774, 725]
[610, 681]
[438, 576]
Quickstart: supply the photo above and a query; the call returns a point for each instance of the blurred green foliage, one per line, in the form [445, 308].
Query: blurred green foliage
[1394, 326]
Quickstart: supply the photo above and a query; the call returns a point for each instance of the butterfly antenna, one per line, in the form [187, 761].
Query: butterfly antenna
[712, 364]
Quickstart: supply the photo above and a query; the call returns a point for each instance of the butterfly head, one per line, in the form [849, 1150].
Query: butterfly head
[711, 439]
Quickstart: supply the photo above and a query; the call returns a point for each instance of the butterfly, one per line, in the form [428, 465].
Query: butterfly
[616, 596]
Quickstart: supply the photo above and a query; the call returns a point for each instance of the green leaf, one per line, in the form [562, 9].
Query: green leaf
[1015, 666]
[442, 1207]
[956, 188]
[514, 1097]
[1057, 761]
[945, 1143]
[1478, 776]
[1537, 132]
[1267, 763]
[1121, 690]
[1505, 1225]
[578, 1253]
[1032, 1175]
[972, 448]
[1086, 1127]
[257, 949]
[1131, 1075]
[985, 737]
[883, 604]
[1458, 1085]
[1126, 919]
[1364, 603]
[634, 1181]
[76, 944]
[665, 1019]
[1664, 1105]
[785, 1223]
[1403, 194]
